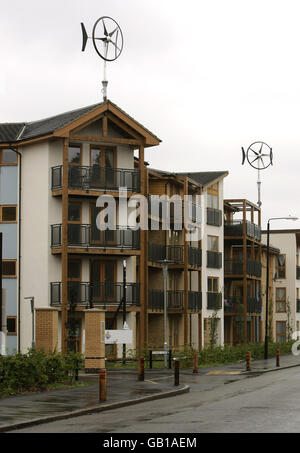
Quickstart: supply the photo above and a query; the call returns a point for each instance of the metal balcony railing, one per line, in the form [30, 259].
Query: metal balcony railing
[89, 236]
[298, 272]
[214, 260]
[235, 305]
[174, 299]
[96, 178]
[195, 300]
[298, 305]
[158, 252]
[83, 293]
[214, 301]
[195, 256]
[235, 228]
[214, 217]
[235, 267]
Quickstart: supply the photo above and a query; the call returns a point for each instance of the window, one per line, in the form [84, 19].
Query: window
[212, 243]
[212, 284]
[280, 300]
[74, 211]
[281, 331]
[281, 269]
[11, 325]
[74, 154]
[212, 201]
[8, 214]
[8, 157]
[74, 270]
[9, 269]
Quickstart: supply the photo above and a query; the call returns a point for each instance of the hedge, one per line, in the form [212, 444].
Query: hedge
[36, 370]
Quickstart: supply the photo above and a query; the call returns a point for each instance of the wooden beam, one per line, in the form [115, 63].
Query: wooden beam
[125, 127]
[100, 139]
[104, 125]
[185, 277]
[64, 249]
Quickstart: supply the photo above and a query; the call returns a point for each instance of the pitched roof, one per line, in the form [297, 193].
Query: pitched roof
[204, 177]
[10, 132]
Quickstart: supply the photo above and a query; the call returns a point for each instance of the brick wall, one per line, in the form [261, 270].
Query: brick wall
[94, 339]
[46, 329]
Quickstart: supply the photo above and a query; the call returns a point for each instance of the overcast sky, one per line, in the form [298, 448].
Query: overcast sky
[206, 76]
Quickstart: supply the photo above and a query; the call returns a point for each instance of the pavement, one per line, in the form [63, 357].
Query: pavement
[123, 389]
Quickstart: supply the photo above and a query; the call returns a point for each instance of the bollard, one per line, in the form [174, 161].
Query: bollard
[176, 372]
[195, 370]
[102, 385]
[141, 369]
[248, 361]
[278, 357]
[150, 359]
[170, 359]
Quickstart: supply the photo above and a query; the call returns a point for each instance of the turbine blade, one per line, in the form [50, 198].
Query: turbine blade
[84, 37]
[254, 151]
[243, 156]
[104, 27]
[111, 33]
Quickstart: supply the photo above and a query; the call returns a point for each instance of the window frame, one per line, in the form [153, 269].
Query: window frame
[6, 163]
[208, 240]
[16, 325]
[280, 335]
[75, 145]
[280, 301]
[9, 261]
[280, 268]
[8, 206]
[213, 279]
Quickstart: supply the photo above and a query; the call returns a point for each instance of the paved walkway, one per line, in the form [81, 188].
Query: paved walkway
[123, 389]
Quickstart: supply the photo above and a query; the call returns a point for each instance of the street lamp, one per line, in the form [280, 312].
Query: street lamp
[32, 312]
[124, 307]
[165, 264]
[267, 280]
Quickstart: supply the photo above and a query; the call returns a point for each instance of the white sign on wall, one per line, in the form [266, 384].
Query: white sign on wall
[118, 336]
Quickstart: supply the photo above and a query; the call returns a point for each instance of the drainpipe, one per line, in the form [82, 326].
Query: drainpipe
[19, 254]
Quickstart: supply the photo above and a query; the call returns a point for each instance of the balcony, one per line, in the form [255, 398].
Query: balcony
[235, 267]
[84, 293]
[89, 236]
[96, 178]
[236, 229]
[235, 305]
[158, 252]
[158, 207]
[298, 306]
[195, 300]
[298, 272]
[194, 256]
[174, 299]
[214, 301]
[214, 217]
[214, 260]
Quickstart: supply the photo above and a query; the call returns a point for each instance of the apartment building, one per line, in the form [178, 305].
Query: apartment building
[9, 214]
[242, 272]
[195, 267]
[68, 265]
[285, 276]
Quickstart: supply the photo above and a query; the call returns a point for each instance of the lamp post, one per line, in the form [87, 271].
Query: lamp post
[32, 312]
[267, 279]
[124, 307]
[165, 265]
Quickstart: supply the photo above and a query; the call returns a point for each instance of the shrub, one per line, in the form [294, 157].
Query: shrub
[36, 370]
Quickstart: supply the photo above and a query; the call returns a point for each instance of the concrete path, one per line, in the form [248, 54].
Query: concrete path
[123, 389]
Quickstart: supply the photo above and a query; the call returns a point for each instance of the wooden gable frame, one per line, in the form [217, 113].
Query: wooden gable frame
[108, 111]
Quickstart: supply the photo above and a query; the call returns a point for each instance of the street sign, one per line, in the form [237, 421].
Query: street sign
[118, 336]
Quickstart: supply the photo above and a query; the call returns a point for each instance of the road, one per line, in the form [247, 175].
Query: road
[256, 404]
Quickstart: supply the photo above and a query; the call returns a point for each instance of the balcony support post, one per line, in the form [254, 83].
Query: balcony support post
[64, 249]
[245, 269]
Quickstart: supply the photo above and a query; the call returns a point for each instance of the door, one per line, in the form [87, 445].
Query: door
[103, 167]
[101, 238]
[103, 278]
